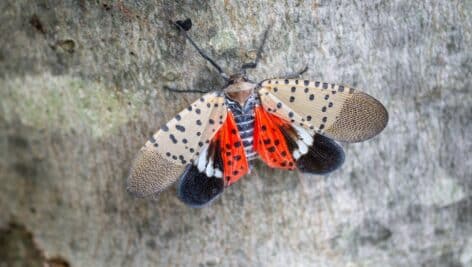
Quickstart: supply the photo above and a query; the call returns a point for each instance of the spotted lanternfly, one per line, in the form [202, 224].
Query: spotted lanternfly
[287, 123]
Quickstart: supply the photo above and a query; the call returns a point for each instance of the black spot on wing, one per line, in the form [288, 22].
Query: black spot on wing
[173, 139]
[180, 128]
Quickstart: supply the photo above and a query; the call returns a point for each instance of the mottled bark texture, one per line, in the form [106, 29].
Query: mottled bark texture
[81, 89]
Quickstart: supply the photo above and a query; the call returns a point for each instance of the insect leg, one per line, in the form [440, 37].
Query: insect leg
[253, 65]
[186, 90]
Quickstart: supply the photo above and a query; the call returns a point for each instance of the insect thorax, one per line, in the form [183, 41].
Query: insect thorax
[244, 117]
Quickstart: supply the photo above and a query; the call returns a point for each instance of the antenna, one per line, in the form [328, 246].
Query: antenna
[184, 26]
[253, 65]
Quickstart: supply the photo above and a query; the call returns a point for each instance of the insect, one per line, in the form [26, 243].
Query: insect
[288, 123]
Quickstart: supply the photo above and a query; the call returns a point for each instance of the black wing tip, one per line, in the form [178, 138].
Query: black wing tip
[197, 190]
[323, 157]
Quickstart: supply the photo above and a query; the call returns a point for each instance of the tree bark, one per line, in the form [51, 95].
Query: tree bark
[81, 89]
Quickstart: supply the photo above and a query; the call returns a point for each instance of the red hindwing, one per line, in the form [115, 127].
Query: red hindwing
[269, 142]
[234, 159]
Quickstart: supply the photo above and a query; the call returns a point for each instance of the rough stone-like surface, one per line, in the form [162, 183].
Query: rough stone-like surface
[81, 89]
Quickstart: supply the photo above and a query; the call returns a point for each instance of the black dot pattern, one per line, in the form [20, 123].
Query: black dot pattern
[181, 139]
[233, 157]
[272, 148]
[313, 105]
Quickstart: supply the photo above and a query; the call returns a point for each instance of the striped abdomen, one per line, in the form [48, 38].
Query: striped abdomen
[244, 117]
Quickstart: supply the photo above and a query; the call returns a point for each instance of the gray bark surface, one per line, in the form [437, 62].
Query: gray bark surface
[81, 89]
